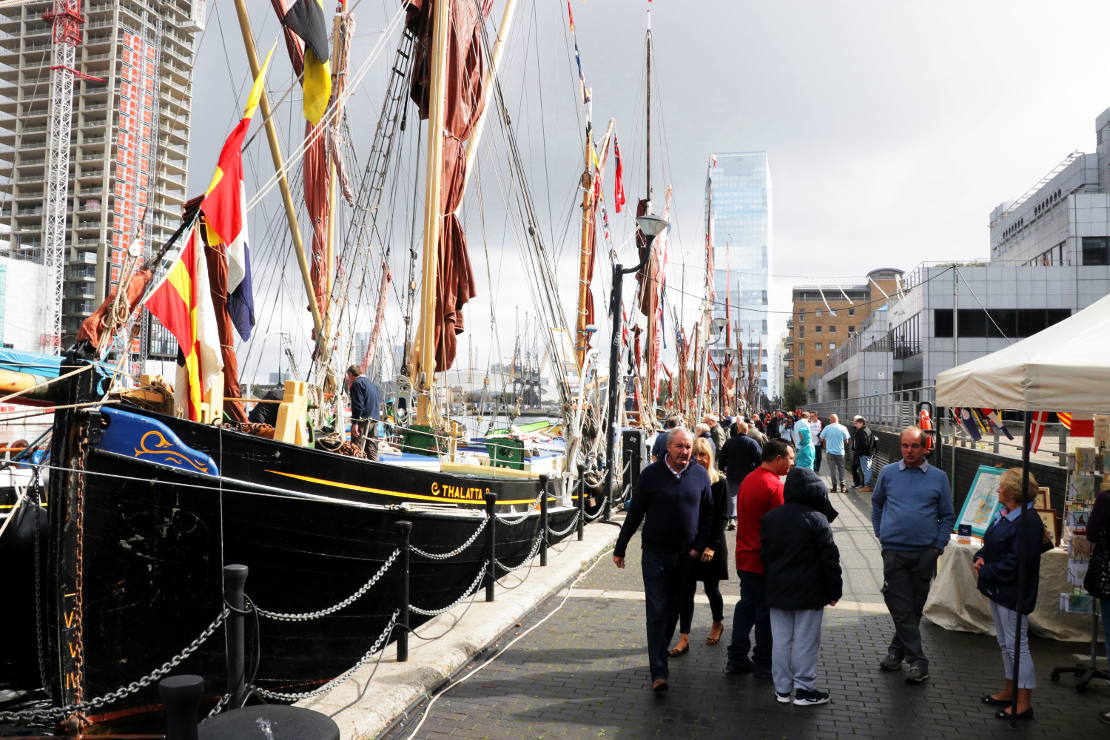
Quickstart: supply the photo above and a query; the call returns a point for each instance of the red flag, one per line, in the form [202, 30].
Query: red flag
[1036, 432]
[618, 177]
[1078, 425]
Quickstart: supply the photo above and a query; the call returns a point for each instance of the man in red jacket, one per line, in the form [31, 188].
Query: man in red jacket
[760, 492]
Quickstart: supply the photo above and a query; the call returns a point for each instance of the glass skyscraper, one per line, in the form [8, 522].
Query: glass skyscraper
[738, 204]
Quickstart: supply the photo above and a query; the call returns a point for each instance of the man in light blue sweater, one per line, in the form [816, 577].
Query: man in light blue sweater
[911, 513]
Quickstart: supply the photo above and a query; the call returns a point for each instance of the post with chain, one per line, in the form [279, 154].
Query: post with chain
[491, 544]
[581, 502]
[543, 520]
[404, 531]
[181, 696]
[235, 581]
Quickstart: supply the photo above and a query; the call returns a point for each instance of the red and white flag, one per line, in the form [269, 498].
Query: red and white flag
[1078, 425]
[1036, 432]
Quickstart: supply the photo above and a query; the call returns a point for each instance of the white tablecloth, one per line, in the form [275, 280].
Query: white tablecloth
[956, 604]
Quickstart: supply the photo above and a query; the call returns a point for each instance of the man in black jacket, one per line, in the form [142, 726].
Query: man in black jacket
[740, 456]
[366, 404]
[863, 449]
[803, 576]
[674, 501]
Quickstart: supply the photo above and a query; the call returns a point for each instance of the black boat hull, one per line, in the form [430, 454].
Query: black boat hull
[138, 548]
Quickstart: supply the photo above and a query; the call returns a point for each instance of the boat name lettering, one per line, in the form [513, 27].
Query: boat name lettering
[448, 490]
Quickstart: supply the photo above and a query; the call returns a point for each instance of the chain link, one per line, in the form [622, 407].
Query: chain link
[219, 706]
[375, 648]
[513, 522]
[469, 592]
[457, 551]
[309, 616]
[527, 559]
[573, 524]
[53, 713]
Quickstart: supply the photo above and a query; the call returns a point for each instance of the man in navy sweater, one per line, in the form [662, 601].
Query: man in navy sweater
[674, 502]
[911, 513]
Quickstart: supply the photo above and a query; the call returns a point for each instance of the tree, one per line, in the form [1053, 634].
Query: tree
[794, 395]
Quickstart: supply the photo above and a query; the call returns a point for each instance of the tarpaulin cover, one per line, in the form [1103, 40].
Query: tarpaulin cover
[1065, 367]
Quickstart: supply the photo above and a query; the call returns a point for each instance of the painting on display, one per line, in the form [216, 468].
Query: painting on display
[982, 501]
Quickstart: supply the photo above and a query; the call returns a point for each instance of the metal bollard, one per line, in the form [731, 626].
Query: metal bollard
[543, 520]
[404, 530]
[581, 501]
[491, 544]
[235, 580]
[181, 697]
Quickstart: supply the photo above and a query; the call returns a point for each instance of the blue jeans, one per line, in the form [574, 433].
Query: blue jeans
[865, 464]
[666, 586]
[751, 611]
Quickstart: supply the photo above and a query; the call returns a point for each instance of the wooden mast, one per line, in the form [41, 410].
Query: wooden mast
[585, 248]
[424, 369]
[647, 415]
[279, 166]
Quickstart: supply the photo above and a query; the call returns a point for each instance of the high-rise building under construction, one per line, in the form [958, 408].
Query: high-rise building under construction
[129, 136]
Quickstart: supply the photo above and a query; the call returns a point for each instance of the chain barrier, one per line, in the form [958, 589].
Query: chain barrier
[598, 515]
[309, 616]
[573, 524]
[375, 648]
[535, 505]
[457, 551]
[469, 592]
[219, 706]
[54, 713]
[528, 558]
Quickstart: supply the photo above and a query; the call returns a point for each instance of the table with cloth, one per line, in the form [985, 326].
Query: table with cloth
[956, 604]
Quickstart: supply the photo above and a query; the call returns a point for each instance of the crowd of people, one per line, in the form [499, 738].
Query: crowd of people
[761, 480]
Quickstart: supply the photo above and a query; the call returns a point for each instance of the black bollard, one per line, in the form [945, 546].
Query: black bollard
[235, 581]
[491, 544]
[543, 520]
[581, 502]
[181, 697]
[405, 530]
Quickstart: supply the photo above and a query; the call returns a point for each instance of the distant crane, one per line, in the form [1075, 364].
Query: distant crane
[66, 18]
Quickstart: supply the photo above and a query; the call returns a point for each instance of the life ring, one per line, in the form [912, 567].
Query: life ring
[925, 421]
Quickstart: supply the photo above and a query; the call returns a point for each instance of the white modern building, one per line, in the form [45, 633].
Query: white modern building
[1050, 257]
[738, 207]
[132, 100]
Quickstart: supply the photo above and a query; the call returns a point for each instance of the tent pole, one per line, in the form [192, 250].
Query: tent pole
[1022, 524]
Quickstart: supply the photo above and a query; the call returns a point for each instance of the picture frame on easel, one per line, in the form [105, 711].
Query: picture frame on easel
[981, 503]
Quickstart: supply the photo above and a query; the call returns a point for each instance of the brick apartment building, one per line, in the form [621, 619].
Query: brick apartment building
[823, 317]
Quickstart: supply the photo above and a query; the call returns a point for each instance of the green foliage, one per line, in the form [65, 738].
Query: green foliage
[794, 395]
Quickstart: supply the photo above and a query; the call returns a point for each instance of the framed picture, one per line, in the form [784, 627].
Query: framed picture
[1050, 524]
[1044, 498]
[982, 500]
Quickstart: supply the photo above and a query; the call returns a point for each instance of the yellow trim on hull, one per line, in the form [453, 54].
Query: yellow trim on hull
[398, 494]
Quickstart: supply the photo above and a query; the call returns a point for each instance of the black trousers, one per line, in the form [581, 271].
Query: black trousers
[907, 575]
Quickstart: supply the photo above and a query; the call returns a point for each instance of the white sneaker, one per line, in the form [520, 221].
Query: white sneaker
[785, 698]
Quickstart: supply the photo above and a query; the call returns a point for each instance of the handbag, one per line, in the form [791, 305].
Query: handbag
[1097, 580]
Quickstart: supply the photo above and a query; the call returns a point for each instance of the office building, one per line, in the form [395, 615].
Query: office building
[738, 209]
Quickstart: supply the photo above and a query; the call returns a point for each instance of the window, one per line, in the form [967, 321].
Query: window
[832, 345]
[818, 312]
[1009, 322]
[801, 349]
[851, 329]
[1096, 250]
[818, 346]
[851, 312]
[801, 331]
[817, 363]
[818, 329]
[831, 328]
[802, 365]
[801, 316]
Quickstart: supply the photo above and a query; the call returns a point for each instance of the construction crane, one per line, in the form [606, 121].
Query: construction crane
[66, 19]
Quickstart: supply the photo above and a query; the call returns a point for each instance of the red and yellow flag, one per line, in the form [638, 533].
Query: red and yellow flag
[183, 303]
[1078, 425]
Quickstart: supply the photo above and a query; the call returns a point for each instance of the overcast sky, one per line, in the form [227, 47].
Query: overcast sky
[892, 128]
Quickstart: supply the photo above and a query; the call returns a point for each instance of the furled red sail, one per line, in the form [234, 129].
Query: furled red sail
[464, 100]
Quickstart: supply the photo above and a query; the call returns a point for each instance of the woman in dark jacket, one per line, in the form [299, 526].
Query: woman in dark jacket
[714, 569]
[1098, 533]
[997, 567]
[803, 577]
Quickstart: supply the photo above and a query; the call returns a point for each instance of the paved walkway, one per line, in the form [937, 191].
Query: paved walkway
[582, 673]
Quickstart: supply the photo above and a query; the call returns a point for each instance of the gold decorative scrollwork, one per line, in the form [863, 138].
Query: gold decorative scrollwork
[165, 449]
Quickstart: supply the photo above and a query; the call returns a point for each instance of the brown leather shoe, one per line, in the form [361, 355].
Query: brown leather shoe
[659, 685]
[715, 633]
[865, 489]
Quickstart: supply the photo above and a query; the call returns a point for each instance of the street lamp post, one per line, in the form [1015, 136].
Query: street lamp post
[650, 226]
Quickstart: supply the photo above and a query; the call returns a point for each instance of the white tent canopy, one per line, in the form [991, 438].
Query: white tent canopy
[1066, 367]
